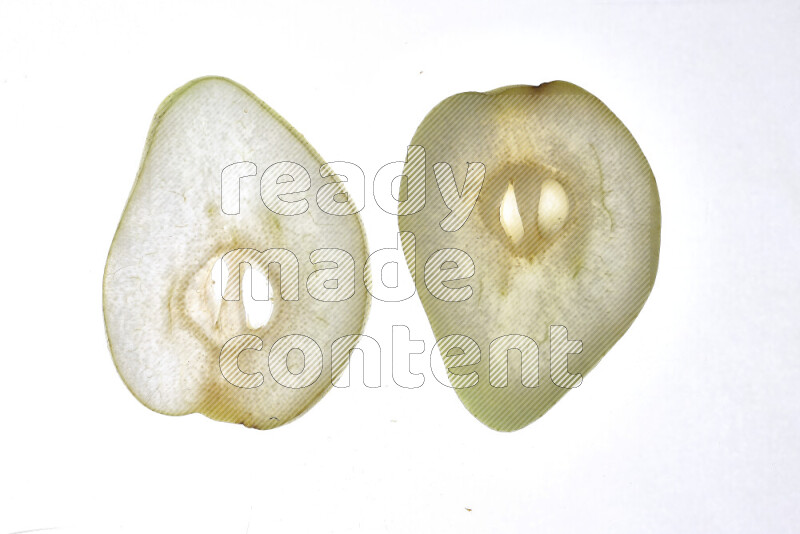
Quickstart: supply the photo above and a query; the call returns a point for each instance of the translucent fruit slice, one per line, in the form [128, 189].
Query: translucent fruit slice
[215, 158]
[564, 238]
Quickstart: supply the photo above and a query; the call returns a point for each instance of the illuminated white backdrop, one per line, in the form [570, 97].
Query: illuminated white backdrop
[690, 423]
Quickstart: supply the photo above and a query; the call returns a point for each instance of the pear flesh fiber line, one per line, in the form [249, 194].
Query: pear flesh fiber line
[166, 329]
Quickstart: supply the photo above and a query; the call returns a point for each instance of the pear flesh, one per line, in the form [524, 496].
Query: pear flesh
[177, 344]
[564, 238]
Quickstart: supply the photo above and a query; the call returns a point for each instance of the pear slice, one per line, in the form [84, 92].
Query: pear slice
[177, 343]
[563, 241]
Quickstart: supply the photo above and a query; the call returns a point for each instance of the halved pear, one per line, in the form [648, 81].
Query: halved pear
[177, 344]
[564, 239]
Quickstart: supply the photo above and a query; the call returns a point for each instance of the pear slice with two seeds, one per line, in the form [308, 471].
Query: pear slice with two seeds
[563, 242]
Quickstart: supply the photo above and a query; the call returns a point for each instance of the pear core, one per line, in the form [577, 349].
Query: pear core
[552, 211]
[526, 205]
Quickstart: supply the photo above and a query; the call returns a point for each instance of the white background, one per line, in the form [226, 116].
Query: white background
[690, 424]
